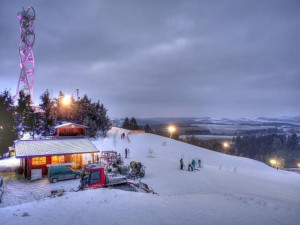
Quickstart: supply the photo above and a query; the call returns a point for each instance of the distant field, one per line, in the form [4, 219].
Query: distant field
[208, 137]
[226, 127]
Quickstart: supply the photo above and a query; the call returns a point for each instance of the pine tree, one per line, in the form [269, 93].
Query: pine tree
[292, 142]
[126, 124]
[92, 126]
[103, 122]
[133, 124]
[94, 116]
[147, 129]
[82, 109]
[8, 131]
[25, 115]
[48, 115]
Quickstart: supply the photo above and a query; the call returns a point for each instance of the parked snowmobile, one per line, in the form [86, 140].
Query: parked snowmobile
[133, 171]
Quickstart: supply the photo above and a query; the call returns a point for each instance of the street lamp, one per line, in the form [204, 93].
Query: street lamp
[298, 164]
[225, 145]
[273, 162]
[66, 100]
[171, 130]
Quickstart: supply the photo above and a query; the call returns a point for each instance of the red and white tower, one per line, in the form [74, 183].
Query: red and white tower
[26, 79]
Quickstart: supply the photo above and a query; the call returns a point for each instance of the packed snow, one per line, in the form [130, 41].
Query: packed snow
[226, 190]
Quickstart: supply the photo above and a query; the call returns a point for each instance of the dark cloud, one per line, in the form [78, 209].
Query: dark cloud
[163, 58]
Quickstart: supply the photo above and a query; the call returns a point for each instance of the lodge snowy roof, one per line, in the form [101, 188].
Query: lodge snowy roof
[25, 148]
[70, 124]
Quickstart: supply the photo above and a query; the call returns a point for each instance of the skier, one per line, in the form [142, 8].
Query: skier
[181, 164]
[190, 168]
[126, 152]
[193, 164]
[199, 163]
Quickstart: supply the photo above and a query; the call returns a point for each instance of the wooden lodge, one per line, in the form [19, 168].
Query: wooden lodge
[68, 147]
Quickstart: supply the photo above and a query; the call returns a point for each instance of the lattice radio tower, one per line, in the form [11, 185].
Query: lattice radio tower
[25, 84]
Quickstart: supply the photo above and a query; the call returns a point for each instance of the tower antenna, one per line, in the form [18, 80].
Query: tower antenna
[77, 92]
[25, 84]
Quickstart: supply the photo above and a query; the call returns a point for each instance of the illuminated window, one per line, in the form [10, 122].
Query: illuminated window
[57, 159]
[36, 161]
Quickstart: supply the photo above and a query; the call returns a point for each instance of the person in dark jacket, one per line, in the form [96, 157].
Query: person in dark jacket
[199, 163]
[181, 164]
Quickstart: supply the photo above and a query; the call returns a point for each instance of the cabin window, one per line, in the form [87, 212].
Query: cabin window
[36, 161]
[57, 159]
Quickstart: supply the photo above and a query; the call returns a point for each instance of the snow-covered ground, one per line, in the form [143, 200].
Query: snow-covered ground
[227, 190]
[10, 162]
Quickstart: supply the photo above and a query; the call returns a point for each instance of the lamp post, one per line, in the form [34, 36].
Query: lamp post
[225, 145]
[64, 111]
[273, 162]
[171, 129]
[66, 100]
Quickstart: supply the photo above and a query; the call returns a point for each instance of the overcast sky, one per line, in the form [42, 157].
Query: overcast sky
[226, 58]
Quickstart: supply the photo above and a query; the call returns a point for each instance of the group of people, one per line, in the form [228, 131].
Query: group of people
[191, 165]
[127, 153]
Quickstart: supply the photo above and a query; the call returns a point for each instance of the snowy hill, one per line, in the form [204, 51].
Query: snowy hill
[227, 190]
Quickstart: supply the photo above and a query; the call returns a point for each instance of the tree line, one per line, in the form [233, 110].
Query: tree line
[130, 124]
[133, 125]
[16, 120]
[284, 148]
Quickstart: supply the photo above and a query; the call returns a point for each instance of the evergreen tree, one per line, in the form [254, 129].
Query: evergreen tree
[147, 129]
[48, 115]
[82, 109]
[92, 126]
[94, 116]
[8, 131]
[103, 122]
[126, 124]
[25, 115]
[133, 124]
[292, 142]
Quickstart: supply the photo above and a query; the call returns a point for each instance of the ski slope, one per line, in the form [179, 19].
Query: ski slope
[227, 190]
